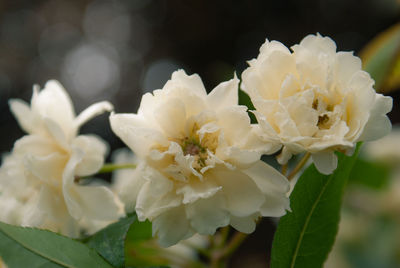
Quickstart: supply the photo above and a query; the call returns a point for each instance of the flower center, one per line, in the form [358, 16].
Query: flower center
[325, 111]
[192, 148]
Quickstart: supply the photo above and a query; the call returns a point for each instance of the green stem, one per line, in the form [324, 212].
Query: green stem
[299, 166]
[107, 168]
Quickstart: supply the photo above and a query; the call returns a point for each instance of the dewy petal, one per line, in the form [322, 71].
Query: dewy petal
[224, 95]
[23, 114]
[94, 151]
[133, 130]
[92, 111]
[243, 197]
[325, 161]
[206, 215]
[378, 124]
[172, 227]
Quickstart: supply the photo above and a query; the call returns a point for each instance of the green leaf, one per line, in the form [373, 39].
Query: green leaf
[381, 58]
[245, 100]
[305, 236]
[374, 175]
[110, 241]
[29, 247]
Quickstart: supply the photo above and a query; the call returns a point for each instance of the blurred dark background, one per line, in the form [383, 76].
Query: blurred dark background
[118, 50]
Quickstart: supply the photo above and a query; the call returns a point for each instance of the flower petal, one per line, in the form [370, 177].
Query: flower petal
[325, 161]
[172, 227]
[243, 197]
[273, 185]
[92, 111]
[83, 201]
[53, 102]
[378, 124]
[133, 130]
[23, 114]
[224, 95]
[94, 151]
[206, 215]
[245, 225]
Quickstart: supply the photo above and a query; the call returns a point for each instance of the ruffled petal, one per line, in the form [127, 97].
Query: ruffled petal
[94, 151]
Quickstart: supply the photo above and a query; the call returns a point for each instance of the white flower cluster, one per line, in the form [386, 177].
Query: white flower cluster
[39, 179]
[197, 154]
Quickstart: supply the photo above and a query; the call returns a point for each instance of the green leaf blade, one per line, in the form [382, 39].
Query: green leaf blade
[110, 241]
[44, 249]
[306, 235]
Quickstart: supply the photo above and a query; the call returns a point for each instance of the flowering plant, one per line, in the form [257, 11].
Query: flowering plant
[195, 165]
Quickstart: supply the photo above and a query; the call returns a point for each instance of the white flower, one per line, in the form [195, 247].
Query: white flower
[127, 182]
[40, 177]
[314, 100]
[201, 167]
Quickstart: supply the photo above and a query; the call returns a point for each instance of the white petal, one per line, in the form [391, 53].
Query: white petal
[94, 151]
[53, 102]
[325, 162]
[274, 186]
[171, 227]
[171, 116]
[92, 111]
[196, 189]
[57, 132]
[133, 130]
[224, 95]
[318, 43]
[206, 215]
[245, 225]
[93, 202]
[378, 124]
[47, 168]
[347, 65]
[23, 114]
[180, 79]
[243, 197]
[97, 202]
[34, 144]
[156, 195]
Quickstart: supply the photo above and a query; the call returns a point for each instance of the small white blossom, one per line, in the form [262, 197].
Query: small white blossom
[314, 100]
[39, 179]
[201, 166]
